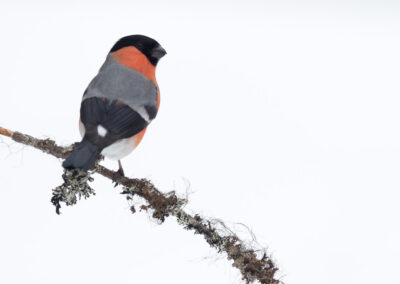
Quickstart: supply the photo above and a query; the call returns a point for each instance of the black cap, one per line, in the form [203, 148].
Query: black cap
[148, 46]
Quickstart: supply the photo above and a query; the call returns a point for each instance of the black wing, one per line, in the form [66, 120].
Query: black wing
[120, 121]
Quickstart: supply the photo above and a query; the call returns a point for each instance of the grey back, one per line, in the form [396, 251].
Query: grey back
[117, 82]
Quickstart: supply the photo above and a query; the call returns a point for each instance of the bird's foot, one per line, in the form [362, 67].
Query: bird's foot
[121, 172]
[117, 175]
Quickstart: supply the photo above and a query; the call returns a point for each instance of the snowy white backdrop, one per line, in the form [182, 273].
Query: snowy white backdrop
[283, 115]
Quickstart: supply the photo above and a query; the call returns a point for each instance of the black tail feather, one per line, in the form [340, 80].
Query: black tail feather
[83, 156]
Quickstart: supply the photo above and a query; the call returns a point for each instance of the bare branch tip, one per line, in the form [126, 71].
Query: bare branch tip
[6, 132]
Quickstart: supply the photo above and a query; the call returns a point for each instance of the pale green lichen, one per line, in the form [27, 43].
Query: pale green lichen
[160, 205]
[75, 187]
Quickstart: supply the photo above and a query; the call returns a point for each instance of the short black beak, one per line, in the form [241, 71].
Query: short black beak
[158, 52]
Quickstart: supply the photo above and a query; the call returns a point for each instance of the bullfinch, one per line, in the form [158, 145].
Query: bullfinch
[119, 103]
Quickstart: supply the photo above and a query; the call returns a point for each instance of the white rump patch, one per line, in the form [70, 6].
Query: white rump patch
[101, 130]
[119, 149]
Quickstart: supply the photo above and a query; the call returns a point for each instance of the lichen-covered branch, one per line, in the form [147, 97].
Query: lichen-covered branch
[161, 205]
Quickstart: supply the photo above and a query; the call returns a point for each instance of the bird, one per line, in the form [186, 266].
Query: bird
[119, 103]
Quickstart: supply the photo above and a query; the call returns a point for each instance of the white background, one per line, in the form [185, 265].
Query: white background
[282, 115]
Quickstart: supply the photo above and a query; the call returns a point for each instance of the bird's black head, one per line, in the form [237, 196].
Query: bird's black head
[148, 46]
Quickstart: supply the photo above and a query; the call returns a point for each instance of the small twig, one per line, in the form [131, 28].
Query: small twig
[5, 132]
[164, 205]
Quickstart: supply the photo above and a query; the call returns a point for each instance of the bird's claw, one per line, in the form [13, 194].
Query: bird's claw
[117, 174]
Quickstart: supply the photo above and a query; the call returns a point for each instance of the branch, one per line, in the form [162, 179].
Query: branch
[164, 205]
[5, 132]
